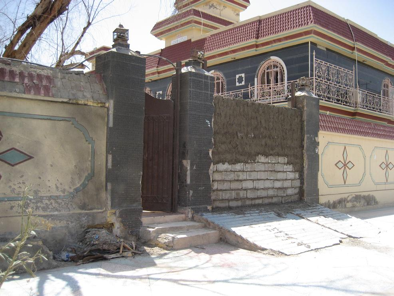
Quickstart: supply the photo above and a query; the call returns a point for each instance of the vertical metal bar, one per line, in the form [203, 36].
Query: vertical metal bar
[176, 138]
[309, 60]
[314, 72]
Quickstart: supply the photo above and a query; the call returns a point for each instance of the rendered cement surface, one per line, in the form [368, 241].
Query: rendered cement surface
[291, 228]
[355, 267]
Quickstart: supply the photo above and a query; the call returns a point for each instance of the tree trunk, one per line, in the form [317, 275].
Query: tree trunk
[43, 15]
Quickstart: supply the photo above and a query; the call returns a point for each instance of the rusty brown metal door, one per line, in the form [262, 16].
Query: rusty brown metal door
[158, 155]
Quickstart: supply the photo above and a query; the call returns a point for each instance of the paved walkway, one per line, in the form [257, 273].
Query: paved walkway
[291, 228]
[355, 267]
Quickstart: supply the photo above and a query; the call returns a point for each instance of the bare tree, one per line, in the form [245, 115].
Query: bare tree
[53, 30]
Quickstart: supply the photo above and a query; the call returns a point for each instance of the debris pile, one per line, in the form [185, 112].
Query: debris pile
[99, 244]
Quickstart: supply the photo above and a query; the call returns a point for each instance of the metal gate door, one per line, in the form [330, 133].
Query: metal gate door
[158, 151]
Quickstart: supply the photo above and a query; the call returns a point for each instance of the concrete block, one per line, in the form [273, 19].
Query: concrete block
[216, 195]
[288, 168]
[259, 184]
[250, 167]
[272, 192]
[262, 159]
[287, 199]
[220, 204]
[240, 176]
[279, 167]
[253, 193]
[223, 167]
[287, 184]
[297, 175]
[228, 176]
[224, 185]
[237, 167]
[238, 194]
[282, 159]
[252, 175]
[290, 191]
[247, 184]
[282, 192]
[295, 183]
[277, 200]
[237, 185]
[273, 159]
[217, 176]
[262, 193]
[234, 203]
[262, 175]
[267, 200]
[256, 201]
[282, 176]
[214, 167]
[290, 176]
[227, 195]
[278, 184]
[270, 167]
[268, 184]
[260, 167]
[214, 185]
[273, 176]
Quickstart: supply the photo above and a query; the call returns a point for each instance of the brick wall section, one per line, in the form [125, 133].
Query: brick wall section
[22, 78]
[268, 180]
[257, 153]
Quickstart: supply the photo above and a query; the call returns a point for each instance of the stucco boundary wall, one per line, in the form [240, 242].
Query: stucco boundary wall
[76, 140]
[257, 154]
[356, 171]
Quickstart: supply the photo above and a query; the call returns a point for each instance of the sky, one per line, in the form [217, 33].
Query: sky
[374, 15]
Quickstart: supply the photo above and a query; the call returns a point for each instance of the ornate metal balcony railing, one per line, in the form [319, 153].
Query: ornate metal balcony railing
[330, 83]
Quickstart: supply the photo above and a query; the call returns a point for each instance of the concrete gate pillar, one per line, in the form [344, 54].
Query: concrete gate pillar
[124, 77]
[195, 137]
[308, 103]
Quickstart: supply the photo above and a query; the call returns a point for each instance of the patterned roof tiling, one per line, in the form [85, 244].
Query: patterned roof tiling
[191, 12]
[239, 34]
[296, 18]
[287, 21]
[178, 52]
[355, 127]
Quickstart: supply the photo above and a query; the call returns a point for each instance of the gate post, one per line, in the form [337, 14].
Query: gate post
[308, 103]
[124, 77]
[195, 137]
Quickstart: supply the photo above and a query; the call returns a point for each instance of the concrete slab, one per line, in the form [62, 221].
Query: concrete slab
[186, 239]
[152, 231]
[340, 222]
[288, 229]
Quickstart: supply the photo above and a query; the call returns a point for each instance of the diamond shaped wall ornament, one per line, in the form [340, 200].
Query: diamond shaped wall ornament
[345, 165]
[387, 166]
[14, 157]
[240, 79]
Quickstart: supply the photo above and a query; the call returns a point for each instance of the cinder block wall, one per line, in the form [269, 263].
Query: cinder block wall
[257, 153]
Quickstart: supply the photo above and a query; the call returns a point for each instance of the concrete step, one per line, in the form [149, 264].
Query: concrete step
[152, 231]
[160, 217]
[187, 239]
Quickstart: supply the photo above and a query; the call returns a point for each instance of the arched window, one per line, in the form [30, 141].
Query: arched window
[272, 72]
[386, 84]
[220, 82]
[169, 91]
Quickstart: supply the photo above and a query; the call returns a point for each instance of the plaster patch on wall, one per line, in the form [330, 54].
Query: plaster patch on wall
[55, 185]
[352, 201]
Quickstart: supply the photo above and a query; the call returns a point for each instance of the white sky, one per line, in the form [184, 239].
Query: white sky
[374, 15]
